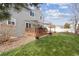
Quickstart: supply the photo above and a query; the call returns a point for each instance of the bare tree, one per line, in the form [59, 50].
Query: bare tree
[75, 17]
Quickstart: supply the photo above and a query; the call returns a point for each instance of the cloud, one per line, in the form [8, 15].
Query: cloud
[54, 13]
[59, 14]
[47, 4]
[63, 6]
[59, 21]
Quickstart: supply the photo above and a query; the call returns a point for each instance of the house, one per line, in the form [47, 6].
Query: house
[25, 19]
[59, 28]
[53, 28]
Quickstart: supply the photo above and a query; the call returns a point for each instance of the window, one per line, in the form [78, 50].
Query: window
[9, 22]
[12, 23]
[31, 13]
[28, 25]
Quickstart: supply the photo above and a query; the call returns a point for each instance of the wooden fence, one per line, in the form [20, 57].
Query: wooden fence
[40, 32]
[37, 32]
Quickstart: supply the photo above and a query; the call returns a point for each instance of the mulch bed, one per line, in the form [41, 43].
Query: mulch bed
[14, 43]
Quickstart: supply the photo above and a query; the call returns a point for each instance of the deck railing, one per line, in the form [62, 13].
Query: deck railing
[40, 32]
[37, 32]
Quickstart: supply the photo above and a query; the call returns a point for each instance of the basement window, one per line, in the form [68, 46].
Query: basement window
[10, 22]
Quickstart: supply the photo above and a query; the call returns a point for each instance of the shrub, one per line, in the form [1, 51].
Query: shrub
[5, 32]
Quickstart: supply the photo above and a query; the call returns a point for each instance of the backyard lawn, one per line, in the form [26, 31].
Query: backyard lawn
[55, 45]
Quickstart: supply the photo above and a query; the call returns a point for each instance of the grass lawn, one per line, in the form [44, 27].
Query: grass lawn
[59, 45]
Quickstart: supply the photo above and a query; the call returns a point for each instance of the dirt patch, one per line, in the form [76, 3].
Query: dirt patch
[6, 46]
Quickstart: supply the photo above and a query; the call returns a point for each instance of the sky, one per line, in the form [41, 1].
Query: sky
[55, 13]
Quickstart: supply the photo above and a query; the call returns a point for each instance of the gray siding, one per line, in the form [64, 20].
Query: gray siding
[21, 18]
[20, 22]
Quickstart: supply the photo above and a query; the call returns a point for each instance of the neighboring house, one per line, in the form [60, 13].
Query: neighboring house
[24, 19]
[59, 28]
[53, 28]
